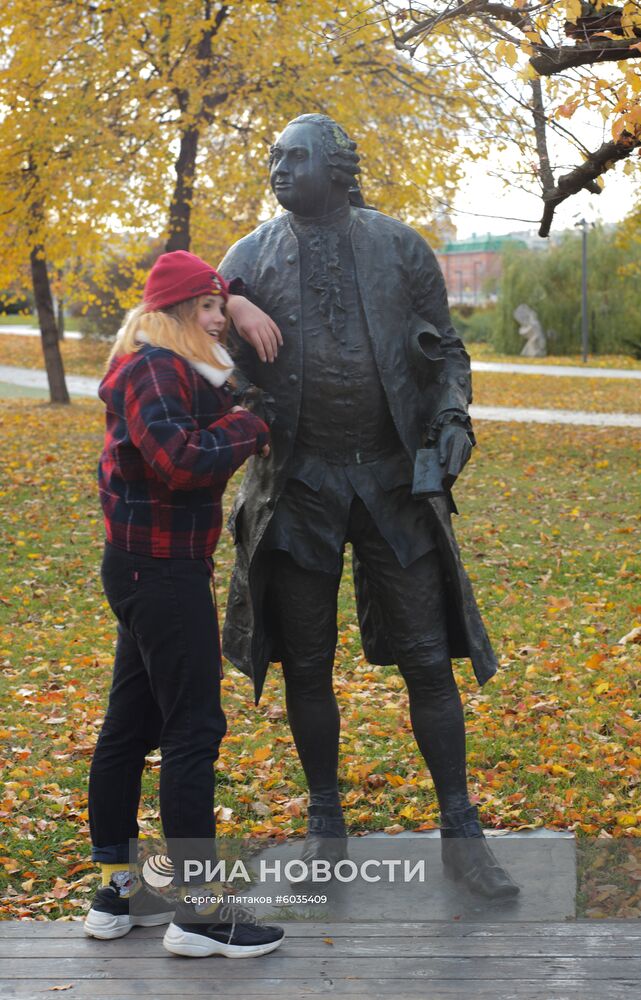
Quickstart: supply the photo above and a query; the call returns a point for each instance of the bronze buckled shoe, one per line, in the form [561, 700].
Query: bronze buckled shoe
[326, 840]
[470, 860]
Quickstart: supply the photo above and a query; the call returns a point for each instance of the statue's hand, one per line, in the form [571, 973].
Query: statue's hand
[255, 326]
[454, 450]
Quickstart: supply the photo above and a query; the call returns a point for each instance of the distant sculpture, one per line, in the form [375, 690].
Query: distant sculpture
[530, 328]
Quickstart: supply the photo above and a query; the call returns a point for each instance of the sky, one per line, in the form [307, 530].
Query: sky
[481, 192]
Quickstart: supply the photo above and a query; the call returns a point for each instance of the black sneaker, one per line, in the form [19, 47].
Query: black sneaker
[231, 930]
[109, 915]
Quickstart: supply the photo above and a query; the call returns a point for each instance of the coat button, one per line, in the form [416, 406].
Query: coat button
[291, 258]
[269, 502]
[291, 319]
[292, 379]
[461, 380]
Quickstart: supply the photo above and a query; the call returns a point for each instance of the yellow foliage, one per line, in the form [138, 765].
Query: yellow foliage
[572, 9]
[94, 115]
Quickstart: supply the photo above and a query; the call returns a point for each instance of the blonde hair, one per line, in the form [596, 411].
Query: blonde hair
[176, 328]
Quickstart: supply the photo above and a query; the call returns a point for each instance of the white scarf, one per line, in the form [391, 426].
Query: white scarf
[216, 376]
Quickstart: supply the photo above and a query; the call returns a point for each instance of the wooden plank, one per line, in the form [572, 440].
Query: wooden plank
[276, 989]
[289, 967]
[438, 928]
[134, 946]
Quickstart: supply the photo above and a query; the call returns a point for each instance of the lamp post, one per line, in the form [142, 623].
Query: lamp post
[584, 288]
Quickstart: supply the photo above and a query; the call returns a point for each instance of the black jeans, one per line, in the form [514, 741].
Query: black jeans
[165, 693]
[304, 609]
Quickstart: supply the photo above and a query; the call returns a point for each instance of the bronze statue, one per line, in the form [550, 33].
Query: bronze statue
[370, 375]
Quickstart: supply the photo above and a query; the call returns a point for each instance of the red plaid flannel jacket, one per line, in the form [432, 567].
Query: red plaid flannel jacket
[171, 444]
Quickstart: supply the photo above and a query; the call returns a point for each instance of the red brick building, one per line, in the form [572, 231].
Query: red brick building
[472, 268]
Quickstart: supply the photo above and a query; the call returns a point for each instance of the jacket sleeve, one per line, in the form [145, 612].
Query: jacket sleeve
[239, 264]
[429, 300]
[161, 426]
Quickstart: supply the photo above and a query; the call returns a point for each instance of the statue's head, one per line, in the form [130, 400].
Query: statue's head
[312, 166]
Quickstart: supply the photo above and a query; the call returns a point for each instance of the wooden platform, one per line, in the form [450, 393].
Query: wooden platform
[581, 960]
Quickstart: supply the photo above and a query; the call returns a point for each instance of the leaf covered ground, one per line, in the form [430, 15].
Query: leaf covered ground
[549, 529]
[600, 395]
[80, 357]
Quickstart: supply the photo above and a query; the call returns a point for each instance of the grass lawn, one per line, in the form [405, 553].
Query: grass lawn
[18, 320]
[30, 320]
[600, 395]
[549, 529]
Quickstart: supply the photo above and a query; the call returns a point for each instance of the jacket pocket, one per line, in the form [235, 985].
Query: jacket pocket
[424, 349]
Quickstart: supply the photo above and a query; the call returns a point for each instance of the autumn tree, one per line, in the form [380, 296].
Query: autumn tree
[139, 119]
[61, 131]
[214, 82]
[537, 69]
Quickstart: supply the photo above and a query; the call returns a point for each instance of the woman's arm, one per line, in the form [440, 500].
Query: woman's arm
[162, 427]
[255, 326]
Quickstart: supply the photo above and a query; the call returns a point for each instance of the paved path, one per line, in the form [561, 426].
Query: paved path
[525, 368]
[573, 371]
[580, 418]
[80, 385]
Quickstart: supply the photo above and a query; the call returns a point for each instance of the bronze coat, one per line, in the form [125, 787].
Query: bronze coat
[405, 302]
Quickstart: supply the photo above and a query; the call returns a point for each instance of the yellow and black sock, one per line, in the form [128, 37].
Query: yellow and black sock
[123, 877]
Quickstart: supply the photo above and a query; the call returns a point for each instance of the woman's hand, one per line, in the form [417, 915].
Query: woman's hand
[264, 451]
[255, 326]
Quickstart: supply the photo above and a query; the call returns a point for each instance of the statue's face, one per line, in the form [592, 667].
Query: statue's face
[299, 175]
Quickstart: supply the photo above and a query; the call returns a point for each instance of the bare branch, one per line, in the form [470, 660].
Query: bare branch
[538, 111]
[519, 18]
[584, 176]
[549, 61]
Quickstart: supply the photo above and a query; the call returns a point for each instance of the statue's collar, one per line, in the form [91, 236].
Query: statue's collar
[338, 219]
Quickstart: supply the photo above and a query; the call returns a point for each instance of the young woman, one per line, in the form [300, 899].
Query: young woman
[173, 439]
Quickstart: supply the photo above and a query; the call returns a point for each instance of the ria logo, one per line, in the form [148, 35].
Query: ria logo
[158, 871]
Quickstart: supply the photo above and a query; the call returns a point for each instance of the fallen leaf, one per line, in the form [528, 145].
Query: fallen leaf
[633, 636]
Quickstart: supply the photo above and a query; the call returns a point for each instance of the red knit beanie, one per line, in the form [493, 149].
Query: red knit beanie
[178, 276]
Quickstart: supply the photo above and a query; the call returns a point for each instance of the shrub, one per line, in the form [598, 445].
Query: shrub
[550, 282]
[476, 326]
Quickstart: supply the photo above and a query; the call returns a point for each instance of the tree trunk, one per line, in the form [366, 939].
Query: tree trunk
[180, 208]
[48, 329]
[60, 318]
